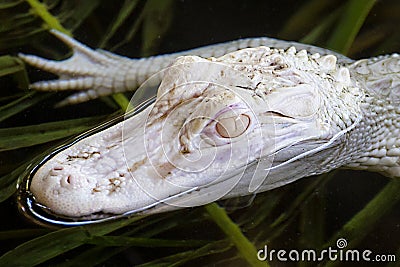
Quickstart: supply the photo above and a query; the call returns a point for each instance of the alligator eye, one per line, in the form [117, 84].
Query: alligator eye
[232, 126]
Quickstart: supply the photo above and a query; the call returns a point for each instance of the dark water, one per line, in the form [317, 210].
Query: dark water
[197, 23]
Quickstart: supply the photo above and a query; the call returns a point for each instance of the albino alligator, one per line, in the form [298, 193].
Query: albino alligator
[245, 117]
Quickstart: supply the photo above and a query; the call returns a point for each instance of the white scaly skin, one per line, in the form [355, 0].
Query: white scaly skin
[250, 120]
[376, 138]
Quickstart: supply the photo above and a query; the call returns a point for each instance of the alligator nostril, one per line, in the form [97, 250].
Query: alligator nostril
[67, 181]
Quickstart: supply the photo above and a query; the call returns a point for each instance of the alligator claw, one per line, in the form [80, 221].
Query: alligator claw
[93, 73]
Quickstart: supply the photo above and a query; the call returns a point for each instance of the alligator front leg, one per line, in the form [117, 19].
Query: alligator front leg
[92, 73]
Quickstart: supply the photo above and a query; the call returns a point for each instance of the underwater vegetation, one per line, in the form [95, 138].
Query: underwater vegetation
[362, 208]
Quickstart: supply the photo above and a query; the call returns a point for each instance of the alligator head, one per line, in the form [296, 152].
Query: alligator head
[247, 122]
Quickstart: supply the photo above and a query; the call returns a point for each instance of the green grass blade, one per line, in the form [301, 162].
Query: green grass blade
[14, 66]
[121, 101]
[265, 204]
[22, 233]
[21, 104]
[143, 242]
[316, 33]
[49, 20]
[349, 25]
[233, 232]
[123, 15]
[305, 15]
[10, 4]
[306, 194]
[97, 255]
[92, 257]
[73, 13]
[8, 183]
[25, 136]
[9, 65]
[361, 223]
[131, 33]
[183, 257]
[154, 28]
[313, 221]
[41, 249]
